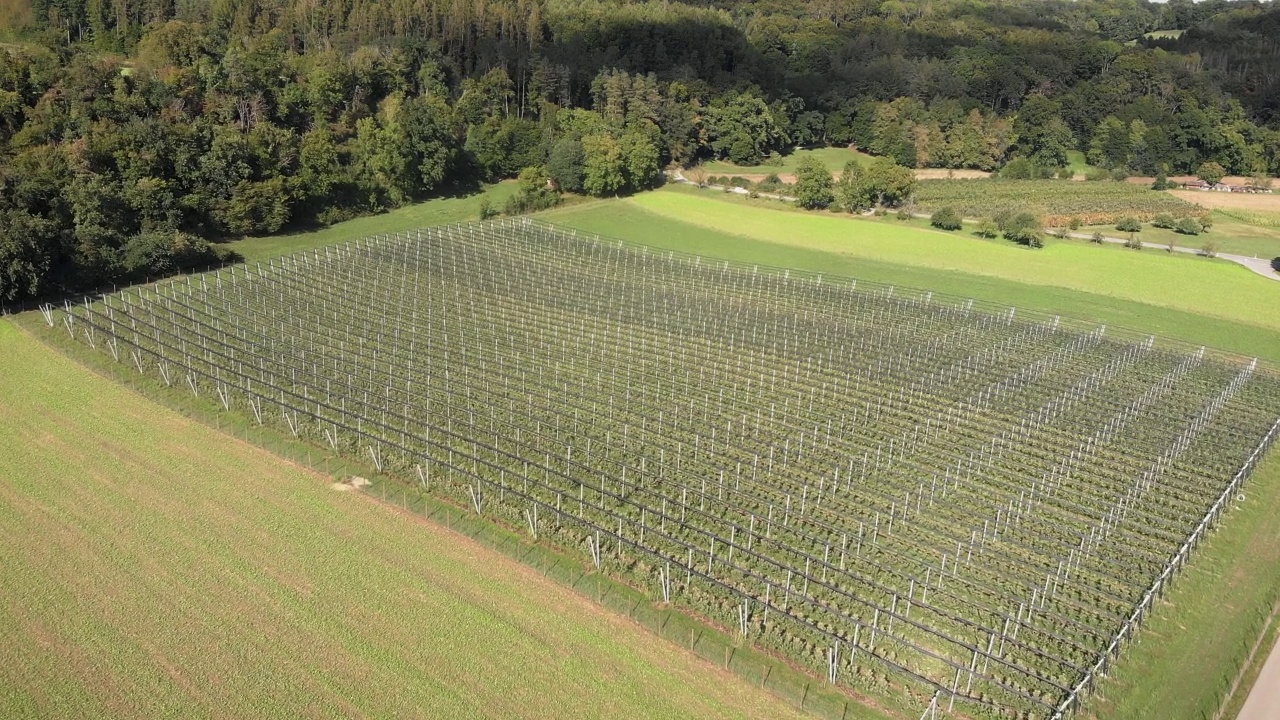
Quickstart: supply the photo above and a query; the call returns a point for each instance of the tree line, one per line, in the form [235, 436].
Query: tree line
[136, 134]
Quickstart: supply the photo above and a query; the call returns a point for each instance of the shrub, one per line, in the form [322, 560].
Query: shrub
[1209, 249]
[1133, 243]
[537, 192]
[1206, 222]
[1003, 218]
[1163, 220]
[1119, 174]
[987, 229]
[945, 219]
[1188, 226]
[1097, 237]
[1074, 223]
[771, 183]
[1162, 182]
[739, 182]
[903, 213]
[487, 210]
[1097, 175]
[1061, 233]
[1024, 228]
[1129, 225]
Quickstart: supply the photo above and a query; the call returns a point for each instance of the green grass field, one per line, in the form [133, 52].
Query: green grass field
[1178, 296]
[833, 157]
[156, 568]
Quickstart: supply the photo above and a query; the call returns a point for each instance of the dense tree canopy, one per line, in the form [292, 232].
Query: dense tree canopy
[132, 133]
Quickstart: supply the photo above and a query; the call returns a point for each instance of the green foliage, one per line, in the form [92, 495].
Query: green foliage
[1129, 224]
[813, 184]
[1024, 229]
[987, 228]
[1162, 182]
[566, 164]
[1163, 220]
[1188, 226]
[604, 169]
[487, 210]
[1097, 237]
[946, 219]
[890, 183]
[164, 253]
[536, 192]
[1211, 172]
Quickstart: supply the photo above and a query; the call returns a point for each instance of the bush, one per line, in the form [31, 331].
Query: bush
[1024, 228]
[1133, 243]
[1064, 173]
[1003, 218]
[1129, 225]
[1163, 220]
[1188, 226]
[946, 219]
[1074, 223]
[1162, 182]
[1119, 175]
[165, 253]
[1211, 172]
[987, 229]
[1209, 249]
[1061, 233]
[1097, 175]
[1206, 222]
[903, 213]
[739, 182]
[1097, 237]
[771, 183]
[536, 192]
[487, 210]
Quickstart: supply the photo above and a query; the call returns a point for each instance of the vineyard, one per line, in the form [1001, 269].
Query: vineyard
[903, 492]
[1055, 201]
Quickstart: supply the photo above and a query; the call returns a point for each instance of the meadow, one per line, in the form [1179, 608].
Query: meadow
[155, 567]
[833, 157]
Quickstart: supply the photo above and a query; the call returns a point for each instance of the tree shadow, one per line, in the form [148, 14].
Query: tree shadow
[1275, 264]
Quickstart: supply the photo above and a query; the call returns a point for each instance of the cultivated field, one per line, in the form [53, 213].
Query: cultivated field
[156, 568]
[1055, 201]
[901, 491]
[1246, 202]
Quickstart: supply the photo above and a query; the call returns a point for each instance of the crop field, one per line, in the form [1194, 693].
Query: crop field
[1056, 201]
[905, 493]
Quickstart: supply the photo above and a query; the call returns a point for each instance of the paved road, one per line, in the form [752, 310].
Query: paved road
[1260, 266]
[1264, 699]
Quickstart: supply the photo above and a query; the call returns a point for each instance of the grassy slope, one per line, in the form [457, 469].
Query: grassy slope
[155, 568]
[1191, 649]
[1148, 291]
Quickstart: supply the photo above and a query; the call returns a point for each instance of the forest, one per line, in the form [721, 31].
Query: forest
[135, 135]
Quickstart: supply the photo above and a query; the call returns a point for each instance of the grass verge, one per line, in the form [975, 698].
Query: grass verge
[1191, 649]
